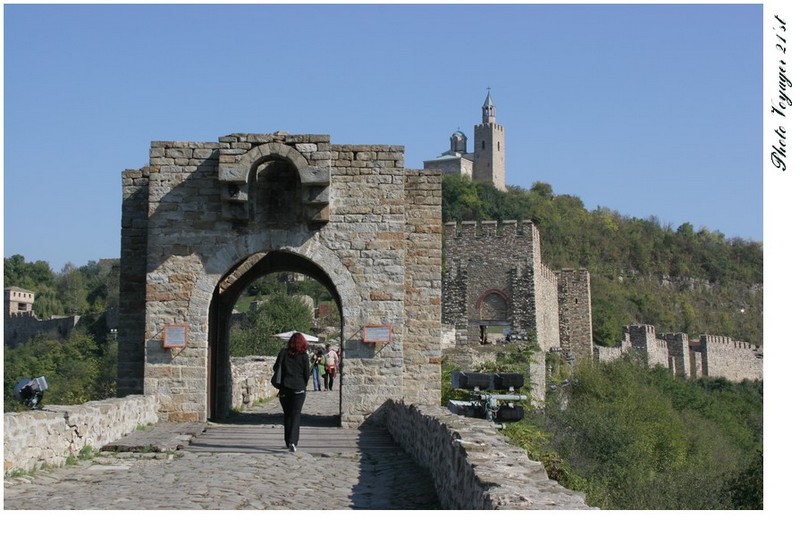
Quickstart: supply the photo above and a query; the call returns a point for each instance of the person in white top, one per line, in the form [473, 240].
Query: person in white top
[331, 366]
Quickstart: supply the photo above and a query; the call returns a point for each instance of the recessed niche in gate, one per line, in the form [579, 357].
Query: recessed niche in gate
[278, 194]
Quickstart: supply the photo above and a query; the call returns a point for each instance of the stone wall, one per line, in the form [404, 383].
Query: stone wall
[709, 356]
[38, 438]
[472, 465]
[423, 284]
[250, 383]
[21, 328]
[504, 263]
[734, 360]
[575, 312]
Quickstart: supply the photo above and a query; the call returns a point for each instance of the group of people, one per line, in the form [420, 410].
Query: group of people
[324, 367]
[295, 366]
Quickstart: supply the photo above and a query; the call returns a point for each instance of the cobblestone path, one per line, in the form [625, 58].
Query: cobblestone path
[351, 474]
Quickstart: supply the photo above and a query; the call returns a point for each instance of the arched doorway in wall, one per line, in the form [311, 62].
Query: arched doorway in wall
[491, 316]
[260, 272]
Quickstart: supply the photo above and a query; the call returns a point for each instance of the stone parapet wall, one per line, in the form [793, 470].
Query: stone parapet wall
[472, 465]
[250, 380]
[48, 437]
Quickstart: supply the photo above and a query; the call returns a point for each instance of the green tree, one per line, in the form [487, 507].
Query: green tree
[279, 313]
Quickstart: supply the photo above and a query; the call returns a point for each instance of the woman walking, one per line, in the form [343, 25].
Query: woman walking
[294, 371]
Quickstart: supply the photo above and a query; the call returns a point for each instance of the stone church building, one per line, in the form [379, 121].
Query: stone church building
[487, 163]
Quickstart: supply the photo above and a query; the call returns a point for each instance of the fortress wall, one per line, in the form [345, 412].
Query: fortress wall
[575, 312]
[605, 355]
[474, 467]
[548, 332]
[22, 328]
[35, 439]
[678, 353]
[711, 356]
[661, 355]
[734, 360]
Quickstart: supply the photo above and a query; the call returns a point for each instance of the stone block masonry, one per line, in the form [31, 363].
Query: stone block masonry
[494, 276]
[40, 438]
[204, 219]
[473, 466]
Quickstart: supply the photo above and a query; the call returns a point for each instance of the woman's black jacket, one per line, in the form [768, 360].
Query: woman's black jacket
[295, 370]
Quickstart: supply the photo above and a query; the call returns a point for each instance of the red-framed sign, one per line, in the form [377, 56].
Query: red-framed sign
[175, 336]
[377, 333]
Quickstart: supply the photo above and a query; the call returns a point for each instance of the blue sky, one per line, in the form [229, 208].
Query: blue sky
[646, 110]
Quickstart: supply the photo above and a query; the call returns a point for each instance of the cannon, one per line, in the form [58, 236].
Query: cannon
[497, 408]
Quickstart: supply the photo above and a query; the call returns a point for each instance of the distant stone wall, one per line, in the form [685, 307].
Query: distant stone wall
[47, 437]
[734, 360]
[709, 356]
[21, 328]
[472, 465]
[502, 264]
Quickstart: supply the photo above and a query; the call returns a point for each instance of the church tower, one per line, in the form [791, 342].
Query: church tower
[490, 148]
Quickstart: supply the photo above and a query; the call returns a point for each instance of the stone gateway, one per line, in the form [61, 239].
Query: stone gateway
[205, 219]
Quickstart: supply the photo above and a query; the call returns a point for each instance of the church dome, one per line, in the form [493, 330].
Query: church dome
[458, 142]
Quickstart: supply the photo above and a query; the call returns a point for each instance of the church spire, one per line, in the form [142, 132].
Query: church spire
[488, 108]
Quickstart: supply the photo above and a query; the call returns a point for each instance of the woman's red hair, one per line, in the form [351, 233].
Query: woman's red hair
[297, 344]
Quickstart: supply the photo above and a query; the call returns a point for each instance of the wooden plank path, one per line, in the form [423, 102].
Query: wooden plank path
[260, 429]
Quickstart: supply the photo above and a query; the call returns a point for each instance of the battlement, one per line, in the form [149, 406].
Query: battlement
[640, 329]
[492, 126]
[524, 230]
[711, 356]
[548, 275]
[720, 340]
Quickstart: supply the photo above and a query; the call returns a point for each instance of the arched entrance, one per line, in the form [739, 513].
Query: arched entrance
[225, 296]
[492, 311]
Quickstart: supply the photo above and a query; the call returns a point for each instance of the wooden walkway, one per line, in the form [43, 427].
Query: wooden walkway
[260, 429]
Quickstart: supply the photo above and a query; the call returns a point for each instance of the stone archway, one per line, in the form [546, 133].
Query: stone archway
[222, 304]
[204, 217]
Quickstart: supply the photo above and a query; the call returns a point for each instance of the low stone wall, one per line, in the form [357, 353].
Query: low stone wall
[37, 438]
[473, 466]
[250, 380]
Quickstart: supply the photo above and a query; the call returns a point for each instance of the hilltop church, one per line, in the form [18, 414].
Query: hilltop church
[487, 163]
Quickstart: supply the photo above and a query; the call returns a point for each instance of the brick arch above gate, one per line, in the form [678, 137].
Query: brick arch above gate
[484, 299]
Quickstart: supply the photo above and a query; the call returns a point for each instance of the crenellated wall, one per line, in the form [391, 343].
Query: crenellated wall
[709, 356]
[734, 360]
